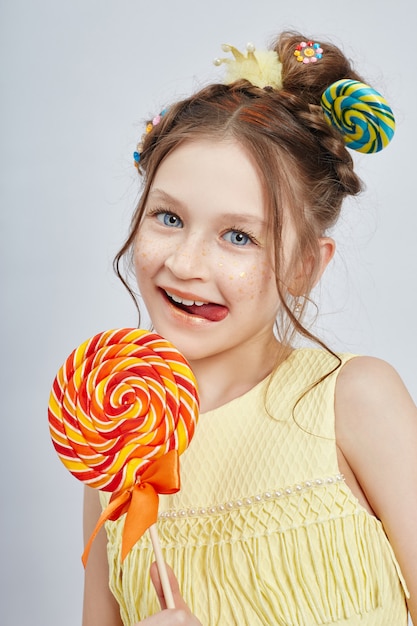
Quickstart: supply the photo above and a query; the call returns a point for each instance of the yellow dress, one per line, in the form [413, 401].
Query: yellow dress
[264, 530]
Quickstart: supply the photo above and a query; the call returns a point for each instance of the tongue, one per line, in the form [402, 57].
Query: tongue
[212, 312]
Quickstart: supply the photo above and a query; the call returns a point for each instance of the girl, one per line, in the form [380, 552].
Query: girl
[298, 502]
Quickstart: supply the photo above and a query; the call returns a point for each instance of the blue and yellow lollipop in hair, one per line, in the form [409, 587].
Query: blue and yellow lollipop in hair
[360, 114]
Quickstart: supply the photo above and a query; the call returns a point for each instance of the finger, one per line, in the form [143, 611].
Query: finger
[178, 599]
[170, 618]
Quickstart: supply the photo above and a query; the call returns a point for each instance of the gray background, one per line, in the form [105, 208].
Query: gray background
[77, 80]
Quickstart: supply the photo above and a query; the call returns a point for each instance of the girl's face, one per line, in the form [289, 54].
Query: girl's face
[202, 253]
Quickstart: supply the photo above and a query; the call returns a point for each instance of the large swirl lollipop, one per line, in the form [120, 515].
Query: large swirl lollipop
[122, 408]
[360, 113]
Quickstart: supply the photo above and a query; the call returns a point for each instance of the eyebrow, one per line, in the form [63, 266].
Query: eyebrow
[160, 192]
[232, 216]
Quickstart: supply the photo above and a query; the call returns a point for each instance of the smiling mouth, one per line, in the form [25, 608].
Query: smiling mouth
[206, 310]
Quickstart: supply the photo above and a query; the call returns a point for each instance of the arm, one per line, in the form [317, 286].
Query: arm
[100, 606]
[376, 430]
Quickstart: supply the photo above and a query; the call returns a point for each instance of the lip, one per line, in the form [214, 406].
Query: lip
[186, 295]
[181, 315]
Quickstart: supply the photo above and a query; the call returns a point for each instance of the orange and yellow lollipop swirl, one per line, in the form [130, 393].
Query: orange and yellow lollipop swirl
[122, 399]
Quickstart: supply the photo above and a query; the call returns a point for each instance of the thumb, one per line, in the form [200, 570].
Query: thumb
[178, 599]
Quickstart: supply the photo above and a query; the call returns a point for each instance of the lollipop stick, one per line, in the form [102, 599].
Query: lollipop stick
[160, 563]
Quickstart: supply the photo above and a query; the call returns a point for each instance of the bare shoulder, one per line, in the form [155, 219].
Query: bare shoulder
[371, 380]
[369, 394]
[376, 431]
[375, 414]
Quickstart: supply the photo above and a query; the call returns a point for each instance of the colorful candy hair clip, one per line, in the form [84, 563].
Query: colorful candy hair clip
[149, 127]
[262, 68]
[360, 114]
[308, 52]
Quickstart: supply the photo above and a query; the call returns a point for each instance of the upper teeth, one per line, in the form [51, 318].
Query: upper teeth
[184, 301]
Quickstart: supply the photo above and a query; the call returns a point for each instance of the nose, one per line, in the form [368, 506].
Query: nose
[189, 260]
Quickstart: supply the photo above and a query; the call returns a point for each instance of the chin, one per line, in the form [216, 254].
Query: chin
[192, 348]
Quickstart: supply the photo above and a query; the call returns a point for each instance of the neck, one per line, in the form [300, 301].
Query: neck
[221, 378]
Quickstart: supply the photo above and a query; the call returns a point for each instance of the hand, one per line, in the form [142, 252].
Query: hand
[180, 616]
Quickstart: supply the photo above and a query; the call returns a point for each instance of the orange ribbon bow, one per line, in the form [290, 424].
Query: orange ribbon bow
[140, 502]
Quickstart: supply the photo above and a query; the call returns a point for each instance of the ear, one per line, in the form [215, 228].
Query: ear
[308, 274]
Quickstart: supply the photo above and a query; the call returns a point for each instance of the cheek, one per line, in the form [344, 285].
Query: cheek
[250, 282]
[146, 253]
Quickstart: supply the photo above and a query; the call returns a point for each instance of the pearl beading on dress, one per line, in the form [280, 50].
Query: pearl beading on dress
[249, 501]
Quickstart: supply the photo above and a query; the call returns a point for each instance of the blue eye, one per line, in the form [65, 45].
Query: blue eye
[169, 219]
[237, 237]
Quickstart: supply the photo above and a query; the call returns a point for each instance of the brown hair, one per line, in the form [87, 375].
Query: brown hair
[303, 161]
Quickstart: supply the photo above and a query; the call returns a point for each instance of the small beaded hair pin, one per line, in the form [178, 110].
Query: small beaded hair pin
[308, 52]
[149, 126]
